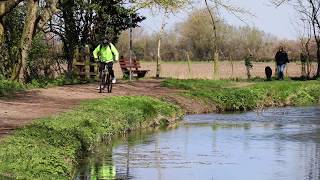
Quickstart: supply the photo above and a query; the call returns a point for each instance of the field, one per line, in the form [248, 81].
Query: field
[203, 70]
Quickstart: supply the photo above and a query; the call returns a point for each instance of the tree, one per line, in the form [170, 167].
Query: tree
[309, 10]
[165, 6]
[13, 27]
[220, 4]
[6, 6]
[83, 23]
[37, 16]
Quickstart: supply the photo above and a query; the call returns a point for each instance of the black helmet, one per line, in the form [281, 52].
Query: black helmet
[105, 41]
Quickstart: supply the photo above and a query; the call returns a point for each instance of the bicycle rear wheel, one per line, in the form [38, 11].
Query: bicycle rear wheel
[102, 82]
[109, 83]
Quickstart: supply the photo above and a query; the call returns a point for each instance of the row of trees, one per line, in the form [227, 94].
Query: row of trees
[28, 28]
[191, 36]
[31, 31]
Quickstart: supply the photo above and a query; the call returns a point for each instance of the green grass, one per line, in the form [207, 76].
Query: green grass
[229, 96]
[49, 148]
[8, 88]
[58, 81]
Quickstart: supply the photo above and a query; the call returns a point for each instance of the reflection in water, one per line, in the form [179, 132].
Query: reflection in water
[274, 144]
[99, 168]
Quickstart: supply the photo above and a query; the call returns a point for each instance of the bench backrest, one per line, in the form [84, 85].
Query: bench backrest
[125, 63]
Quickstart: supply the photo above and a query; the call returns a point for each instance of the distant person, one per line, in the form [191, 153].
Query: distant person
[281, 60]
[303, 59]
[248, 63]
[107, 54]
[268, 72]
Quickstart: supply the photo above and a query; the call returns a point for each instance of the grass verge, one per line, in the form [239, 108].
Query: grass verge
[49, 148]
[228, 95]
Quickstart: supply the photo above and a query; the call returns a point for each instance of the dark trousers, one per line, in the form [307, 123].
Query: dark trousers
[109, 66]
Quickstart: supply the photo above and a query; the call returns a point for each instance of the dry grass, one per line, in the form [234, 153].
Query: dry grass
[203, 70]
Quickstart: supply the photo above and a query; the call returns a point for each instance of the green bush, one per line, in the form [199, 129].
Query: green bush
[8, 88]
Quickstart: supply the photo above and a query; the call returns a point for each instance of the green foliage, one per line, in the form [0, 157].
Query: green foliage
[8, 88]
[43, 82]
[14, 22]
[232, 96]
[39, 63]
[49, 148]
[248, 61]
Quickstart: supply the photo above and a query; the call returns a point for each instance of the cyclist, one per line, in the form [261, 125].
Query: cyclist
[107, 54]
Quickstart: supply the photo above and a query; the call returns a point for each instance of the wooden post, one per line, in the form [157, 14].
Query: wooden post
[189, 65]
[232, 66]
[87, 62]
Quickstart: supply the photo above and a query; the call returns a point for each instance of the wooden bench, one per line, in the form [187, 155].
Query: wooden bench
[135, 65]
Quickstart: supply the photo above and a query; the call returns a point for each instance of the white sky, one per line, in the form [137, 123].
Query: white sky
[280, 21]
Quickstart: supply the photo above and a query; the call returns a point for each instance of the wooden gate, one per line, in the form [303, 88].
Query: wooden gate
[84, 66]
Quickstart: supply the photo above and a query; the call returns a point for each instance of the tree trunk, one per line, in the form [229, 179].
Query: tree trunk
[158, 59]
[216, 66]
[69, 54]
[1, 32]
[71, 38]
[318, 59]
[214, 43]
[26, 39]
[248, 72]
[163, 24]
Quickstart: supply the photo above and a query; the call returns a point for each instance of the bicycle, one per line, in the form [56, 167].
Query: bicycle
[105, 80]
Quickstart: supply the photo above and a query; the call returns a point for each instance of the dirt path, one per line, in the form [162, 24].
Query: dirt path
[39, 103]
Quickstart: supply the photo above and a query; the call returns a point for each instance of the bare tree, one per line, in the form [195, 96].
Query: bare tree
[309, 10]
[167, 7]
[217, 5]
[162, 31]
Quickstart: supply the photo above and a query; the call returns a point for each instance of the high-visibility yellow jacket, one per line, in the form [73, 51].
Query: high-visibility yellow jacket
[106, 54]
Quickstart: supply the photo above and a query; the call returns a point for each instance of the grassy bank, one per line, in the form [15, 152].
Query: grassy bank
[240, 96]
[48, 148]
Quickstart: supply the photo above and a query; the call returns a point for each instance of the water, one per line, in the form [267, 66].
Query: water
[276, 144]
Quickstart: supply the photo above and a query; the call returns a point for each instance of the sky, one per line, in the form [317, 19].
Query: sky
[280, 21]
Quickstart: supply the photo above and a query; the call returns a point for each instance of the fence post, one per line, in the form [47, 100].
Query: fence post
[189, 65]
[232, 67]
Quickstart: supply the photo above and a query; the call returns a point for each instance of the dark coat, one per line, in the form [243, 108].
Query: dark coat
[281, 58]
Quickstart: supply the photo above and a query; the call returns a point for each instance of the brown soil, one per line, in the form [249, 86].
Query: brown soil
[39, 103]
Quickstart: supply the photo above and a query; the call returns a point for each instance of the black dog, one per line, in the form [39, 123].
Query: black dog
[268, 72]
